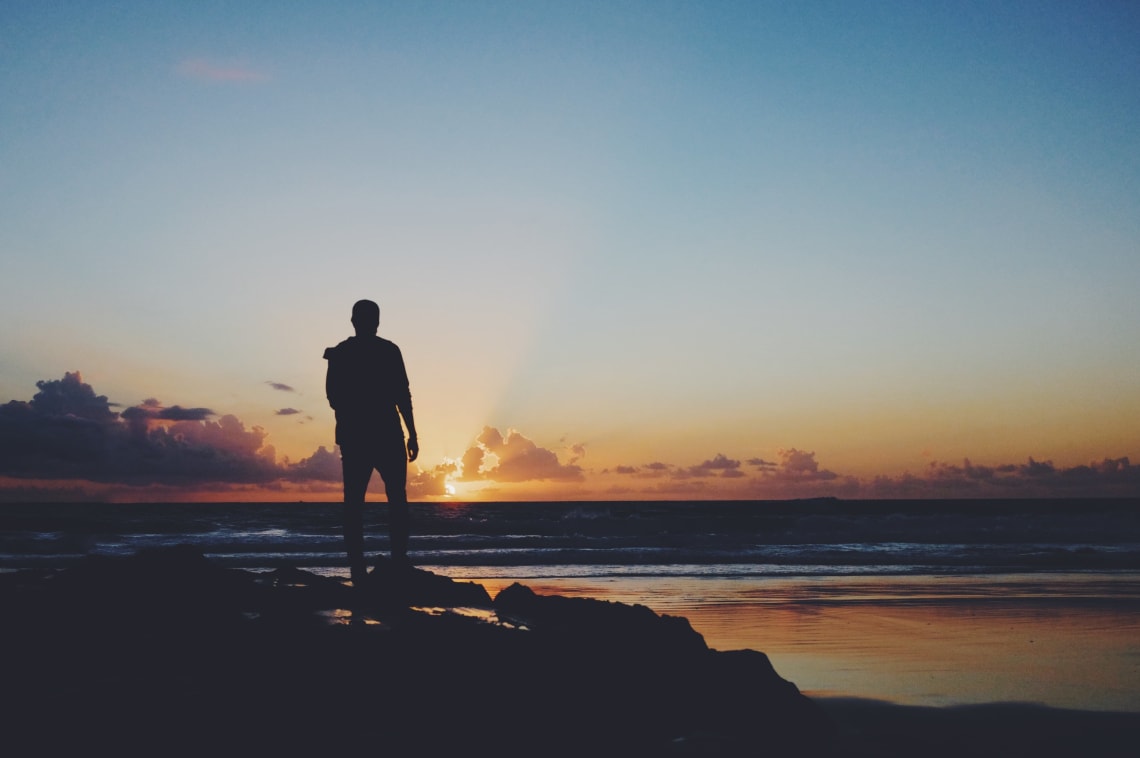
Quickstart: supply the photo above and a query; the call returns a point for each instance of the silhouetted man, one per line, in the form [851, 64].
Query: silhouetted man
[367, 387]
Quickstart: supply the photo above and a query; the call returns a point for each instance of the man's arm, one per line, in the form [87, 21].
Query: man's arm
[404, 406]
[330, 379]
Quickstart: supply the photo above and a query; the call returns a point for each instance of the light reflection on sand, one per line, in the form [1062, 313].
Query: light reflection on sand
[480, 614]
[1065, 640]
[345, 617]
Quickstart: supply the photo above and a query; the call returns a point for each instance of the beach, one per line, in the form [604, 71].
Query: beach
[1059, 640]
[1006, 644]
[165, 651]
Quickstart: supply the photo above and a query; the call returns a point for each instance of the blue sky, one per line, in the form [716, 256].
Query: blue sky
[895, 235]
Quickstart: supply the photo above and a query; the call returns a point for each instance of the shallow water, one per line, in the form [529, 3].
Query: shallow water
[1063, 640]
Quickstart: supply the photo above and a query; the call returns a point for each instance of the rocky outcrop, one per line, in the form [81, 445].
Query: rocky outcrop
[168, 653]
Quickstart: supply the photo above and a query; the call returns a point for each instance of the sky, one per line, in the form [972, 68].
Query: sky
[630, 250]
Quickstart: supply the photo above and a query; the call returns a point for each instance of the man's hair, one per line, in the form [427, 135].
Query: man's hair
[366, 313]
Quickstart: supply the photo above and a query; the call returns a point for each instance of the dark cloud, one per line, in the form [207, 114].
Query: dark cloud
[152, 409]
[720, 465]
[517, 459]
[286, 412]
[178, 413]
[1112, 477]
[1036, 470]
[321, 466]
[66, 431]
[280, 386]
[70, 397]
[798, 474]
[655, 470]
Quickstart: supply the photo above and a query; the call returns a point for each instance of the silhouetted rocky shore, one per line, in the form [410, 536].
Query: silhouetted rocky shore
[165, 652]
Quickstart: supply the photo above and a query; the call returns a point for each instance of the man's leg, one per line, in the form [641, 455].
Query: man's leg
[394, 471]
[357, 470]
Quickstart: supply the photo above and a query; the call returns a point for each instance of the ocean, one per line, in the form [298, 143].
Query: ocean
[933, 602]
[539, 539]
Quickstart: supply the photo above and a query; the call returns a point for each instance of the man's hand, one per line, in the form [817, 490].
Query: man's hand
[413, 448]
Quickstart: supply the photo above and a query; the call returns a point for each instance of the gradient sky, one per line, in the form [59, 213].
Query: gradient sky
[629, 249]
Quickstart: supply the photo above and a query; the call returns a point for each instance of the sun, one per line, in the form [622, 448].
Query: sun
[449, 489]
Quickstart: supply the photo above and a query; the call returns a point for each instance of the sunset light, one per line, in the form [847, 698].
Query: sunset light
[842, 254]
[570, 377]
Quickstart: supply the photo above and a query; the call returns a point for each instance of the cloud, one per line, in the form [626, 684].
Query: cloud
[577, 452]
[68, 436]
[719, 465]
[286, 412]
[472, 464]
[517, 459]
[323, 465]
[799, 465]
[67, 432]
[281, 387]
[70, 397]
[202, 70]
[798, 474]
[1111, 477]
[655, 470]
[153, 409]
[430, 482]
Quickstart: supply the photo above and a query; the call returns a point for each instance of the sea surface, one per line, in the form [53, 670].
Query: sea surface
[796, 538]
[931, 602]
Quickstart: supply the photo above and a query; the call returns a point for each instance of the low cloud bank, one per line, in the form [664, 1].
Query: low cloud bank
[797, 474]
[68, 442]
[66, 431]
[77, 440]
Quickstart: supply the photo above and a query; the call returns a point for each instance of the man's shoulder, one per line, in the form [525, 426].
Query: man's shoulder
[387, 344]
[362, 346]
[339, 349]
[374, 342]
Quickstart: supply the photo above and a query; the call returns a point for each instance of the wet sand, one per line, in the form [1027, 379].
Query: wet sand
[1069, 641]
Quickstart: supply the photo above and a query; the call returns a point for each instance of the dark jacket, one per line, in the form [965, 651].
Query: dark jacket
[367, 387]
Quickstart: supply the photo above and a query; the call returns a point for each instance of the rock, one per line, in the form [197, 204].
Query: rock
[581, 621]
[395, 584]
[167, 652]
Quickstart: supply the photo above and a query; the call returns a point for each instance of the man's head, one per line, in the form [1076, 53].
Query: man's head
[366, 317]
